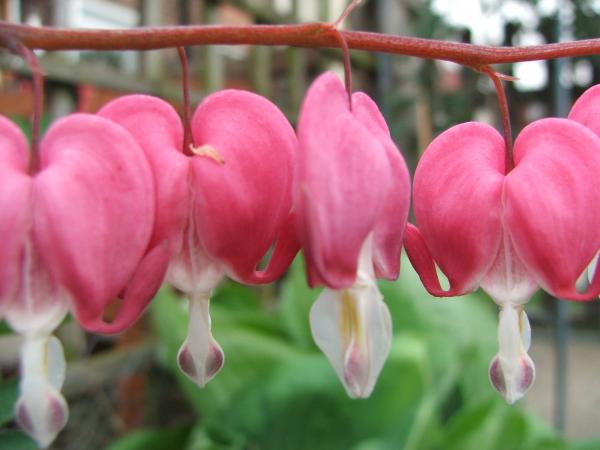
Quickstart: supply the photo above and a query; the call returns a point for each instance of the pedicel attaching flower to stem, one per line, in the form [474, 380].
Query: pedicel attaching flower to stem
[510, 232]
[351, 199]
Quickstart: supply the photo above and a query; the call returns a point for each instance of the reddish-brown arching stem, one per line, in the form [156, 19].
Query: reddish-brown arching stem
[187, 116]
[504, 113]
[309, 35]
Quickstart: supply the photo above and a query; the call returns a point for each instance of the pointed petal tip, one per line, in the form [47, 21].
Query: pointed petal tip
[357, 380]
[201, 372]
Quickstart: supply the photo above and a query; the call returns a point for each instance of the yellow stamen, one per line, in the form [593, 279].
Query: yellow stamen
[349, 320]
[209, 152]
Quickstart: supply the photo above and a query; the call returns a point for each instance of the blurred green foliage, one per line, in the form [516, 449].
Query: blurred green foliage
[278, 392]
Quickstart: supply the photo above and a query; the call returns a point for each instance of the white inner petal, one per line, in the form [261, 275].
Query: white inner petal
[41, 303]
[353, 328]
[41, 410]
[443, 279]
[592, 266]
[191, 270]
[512, 371]
[200, 357]
[508, 281]
[525, 331]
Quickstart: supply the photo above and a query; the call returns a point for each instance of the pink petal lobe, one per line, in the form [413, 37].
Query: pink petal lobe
[423, 263]
[284, 252]
[457, 203]
[549, 199]
[241, 177]
[586, 110]
[94, 204]
[14, 149]
[391, 223]
[344, 177]
[142, 288]
[15, 207]
[158, 130]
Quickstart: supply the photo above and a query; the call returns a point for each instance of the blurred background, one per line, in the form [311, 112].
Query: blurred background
[276, 391]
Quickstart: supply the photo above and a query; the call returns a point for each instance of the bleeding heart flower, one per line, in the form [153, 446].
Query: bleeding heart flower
[509, 233]
[352, 197]
[222, 206]
[73, 235]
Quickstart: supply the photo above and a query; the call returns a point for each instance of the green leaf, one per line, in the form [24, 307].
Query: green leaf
[16, 440]
[296, 299]
[476, 427]
[9, 393]
[215, 438]
[303, 405]
[460, 332]
[152, 439]
[588, 444]
[250, 351]
[493, 425]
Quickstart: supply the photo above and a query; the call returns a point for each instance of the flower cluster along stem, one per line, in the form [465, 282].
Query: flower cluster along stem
[310, 35]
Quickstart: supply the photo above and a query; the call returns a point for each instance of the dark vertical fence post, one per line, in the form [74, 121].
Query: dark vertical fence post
[561, 97]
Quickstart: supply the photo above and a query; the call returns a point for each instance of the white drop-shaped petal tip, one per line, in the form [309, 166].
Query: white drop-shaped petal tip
[353, 329]
[203, 366]
[512, 371]
[510, 380]
[41, 410]
[200, 357]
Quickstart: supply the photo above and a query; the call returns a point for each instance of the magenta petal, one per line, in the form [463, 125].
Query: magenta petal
[457, 202]
[157, 129]
[422, 262]
[243, 192]
[15, 207]
[14, 149]
[551, 200]
[586, 109]
[94, 205]
[391, 223]
[286, 248]
[144, 284]
[344, 177]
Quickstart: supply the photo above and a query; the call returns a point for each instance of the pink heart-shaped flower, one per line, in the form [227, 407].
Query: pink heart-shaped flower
[75, 233]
